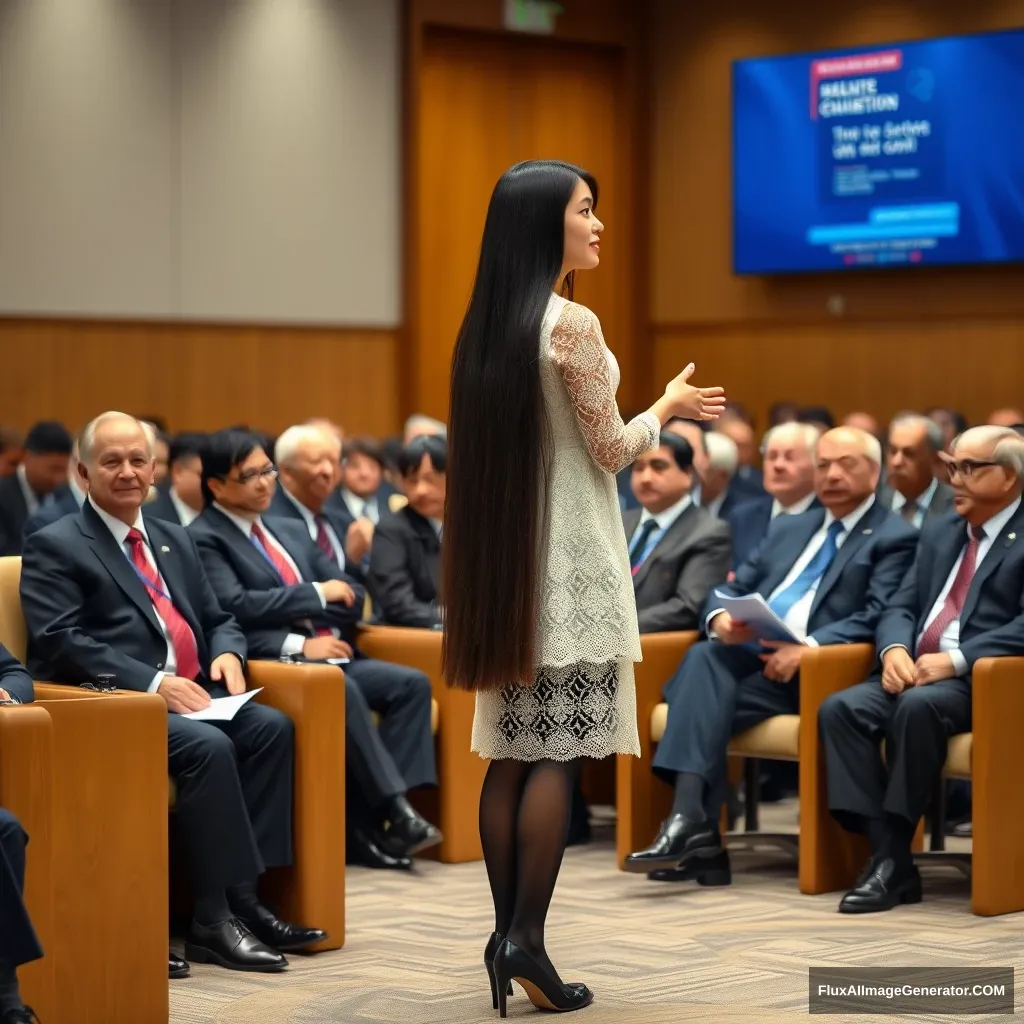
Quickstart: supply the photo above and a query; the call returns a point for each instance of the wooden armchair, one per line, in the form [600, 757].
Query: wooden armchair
[454, 806]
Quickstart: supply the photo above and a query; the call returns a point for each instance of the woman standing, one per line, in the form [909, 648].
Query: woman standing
[540, 618]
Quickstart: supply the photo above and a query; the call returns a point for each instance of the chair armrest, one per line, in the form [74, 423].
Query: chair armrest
[826, 670]
[313, 697]
[663, 653]
[26, 790]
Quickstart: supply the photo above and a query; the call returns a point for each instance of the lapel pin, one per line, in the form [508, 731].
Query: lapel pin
[1012, 536]
[867, 532]
[165, 550]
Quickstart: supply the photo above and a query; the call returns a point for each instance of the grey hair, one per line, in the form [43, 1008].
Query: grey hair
[932, 431]
[1008, 446]
[722, 452]
[87, 438]
[288, 445]
[426, 424]
[805, 432]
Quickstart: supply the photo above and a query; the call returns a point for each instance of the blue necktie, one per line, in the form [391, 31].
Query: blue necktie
[636, 549]
[815, 568]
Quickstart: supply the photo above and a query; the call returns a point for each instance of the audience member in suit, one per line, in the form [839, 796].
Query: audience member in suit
[106, 592]
[18, 941]
[364, 491]
[182, 501]
[951, 423]
[12, 450]
[818, 416]
[67, 499]
[962, 600]
[308, 459]
[677, 551]
[43, 469]
[737, 426]
[293, 601]
[912, 489]
[719, 492]
[788, 454]
[162, 455]
[405, 562]
[828, 574]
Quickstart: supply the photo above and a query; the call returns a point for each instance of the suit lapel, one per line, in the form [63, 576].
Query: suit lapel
[995, 554]
[786, 556]
[244, 547]
[116, 562]
[859, 536]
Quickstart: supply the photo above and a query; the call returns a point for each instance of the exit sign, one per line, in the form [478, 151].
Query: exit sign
[531, 15]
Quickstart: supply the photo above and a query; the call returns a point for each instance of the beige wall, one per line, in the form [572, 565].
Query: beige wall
[201, 159]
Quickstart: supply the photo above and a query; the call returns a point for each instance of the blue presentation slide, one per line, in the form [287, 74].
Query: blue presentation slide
[896, 155]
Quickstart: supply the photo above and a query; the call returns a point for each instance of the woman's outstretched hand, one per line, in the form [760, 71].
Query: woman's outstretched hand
[694, 403]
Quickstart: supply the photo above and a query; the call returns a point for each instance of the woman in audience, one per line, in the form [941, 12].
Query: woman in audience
[405, 561]
[538, 602]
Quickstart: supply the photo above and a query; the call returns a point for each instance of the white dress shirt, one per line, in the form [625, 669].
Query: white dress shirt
[797, 617]
[120, 532]
[778, 509]
[293, 642]
[309, 518]
[949, 642]
[437, 525]
[186, 513]
[924, 500]
[361, 508]
[31, 500]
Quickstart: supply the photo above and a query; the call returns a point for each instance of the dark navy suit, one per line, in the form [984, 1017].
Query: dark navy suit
[916, 724]
[720, 690]
[749, 522]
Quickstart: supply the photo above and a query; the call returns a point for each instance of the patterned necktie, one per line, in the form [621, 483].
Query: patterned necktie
[639, 545]
[815, 568]
[186, 651]
[276, 559]
[323, 539]
[954, 603]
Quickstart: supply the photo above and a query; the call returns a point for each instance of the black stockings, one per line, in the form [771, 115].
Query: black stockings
[524, 823]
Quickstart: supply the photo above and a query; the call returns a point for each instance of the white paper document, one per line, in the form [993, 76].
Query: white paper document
[223, 709]
[754, 611]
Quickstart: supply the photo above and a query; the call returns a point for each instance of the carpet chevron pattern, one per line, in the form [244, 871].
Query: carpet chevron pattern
[653, 953]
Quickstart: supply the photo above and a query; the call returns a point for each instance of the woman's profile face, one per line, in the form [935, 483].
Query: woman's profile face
[582, 231]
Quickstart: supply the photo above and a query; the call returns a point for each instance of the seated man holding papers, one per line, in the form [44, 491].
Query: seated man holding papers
[826, 576]
[107, 593]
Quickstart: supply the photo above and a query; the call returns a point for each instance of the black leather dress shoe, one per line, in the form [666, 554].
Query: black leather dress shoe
[679, 840]
[278, 934]
[703, 870]
[965, 830]
[177, 967]
[231, 945]
[364, 849]
[410, 834]
[883, 885]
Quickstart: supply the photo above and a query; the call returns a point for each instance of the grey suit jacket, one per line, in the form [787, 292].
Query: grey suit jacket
[674, 582]
[941, 503]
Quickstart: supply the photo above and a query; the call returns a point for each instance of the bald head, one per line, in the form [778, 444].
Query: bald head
[847, 464]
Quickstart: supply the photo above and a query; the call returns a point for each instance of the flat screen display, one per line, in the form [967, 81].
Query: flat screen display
[887, 156]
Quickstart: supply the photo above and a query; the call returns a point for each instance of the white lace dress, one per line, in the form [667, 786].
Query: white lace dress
[583, 700]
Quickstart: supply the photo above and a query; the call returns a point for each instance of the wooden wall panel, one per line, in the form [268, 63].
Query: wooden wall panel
[197, 376]
[896, 340]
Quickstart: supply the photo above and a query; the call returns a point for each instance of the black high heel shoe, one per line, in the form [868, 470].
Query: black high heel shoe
[489, 950]
[546, 993]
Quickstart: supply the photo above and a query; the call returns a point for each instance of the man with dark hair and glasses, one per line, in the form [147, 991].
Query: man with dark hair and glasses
[962, 600]
[293, 601]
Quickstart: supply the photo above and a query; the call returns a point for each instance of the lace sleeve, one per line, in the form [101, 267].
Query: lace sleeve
[578, 350]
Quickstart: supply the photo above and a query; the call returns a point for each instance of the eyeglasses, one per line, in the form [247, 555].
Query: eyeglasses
[964, 468]
[270, 473]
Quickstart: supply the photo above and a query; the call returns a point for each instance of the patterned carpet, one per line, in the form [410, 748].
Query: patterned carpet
[652, 952]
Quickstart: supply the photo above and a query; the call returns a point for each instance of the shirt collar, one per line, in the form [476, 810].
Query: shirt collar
[923, 500]
[795, 509]
[994, 526]
[853, 518]
[186, 513]
[669, 516]
[118, 528]
[30, 496]
[307, 513]
[245, 525]
[354, 502]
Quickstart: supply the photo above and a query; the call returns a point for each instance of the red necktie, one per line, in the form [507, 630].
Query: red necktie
[954, 603]
[279, 562]
[323, 540]
[183, 640]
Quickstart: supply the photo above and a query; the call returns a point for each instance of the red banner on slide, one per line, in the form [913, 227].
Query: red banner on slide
[851, 67]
